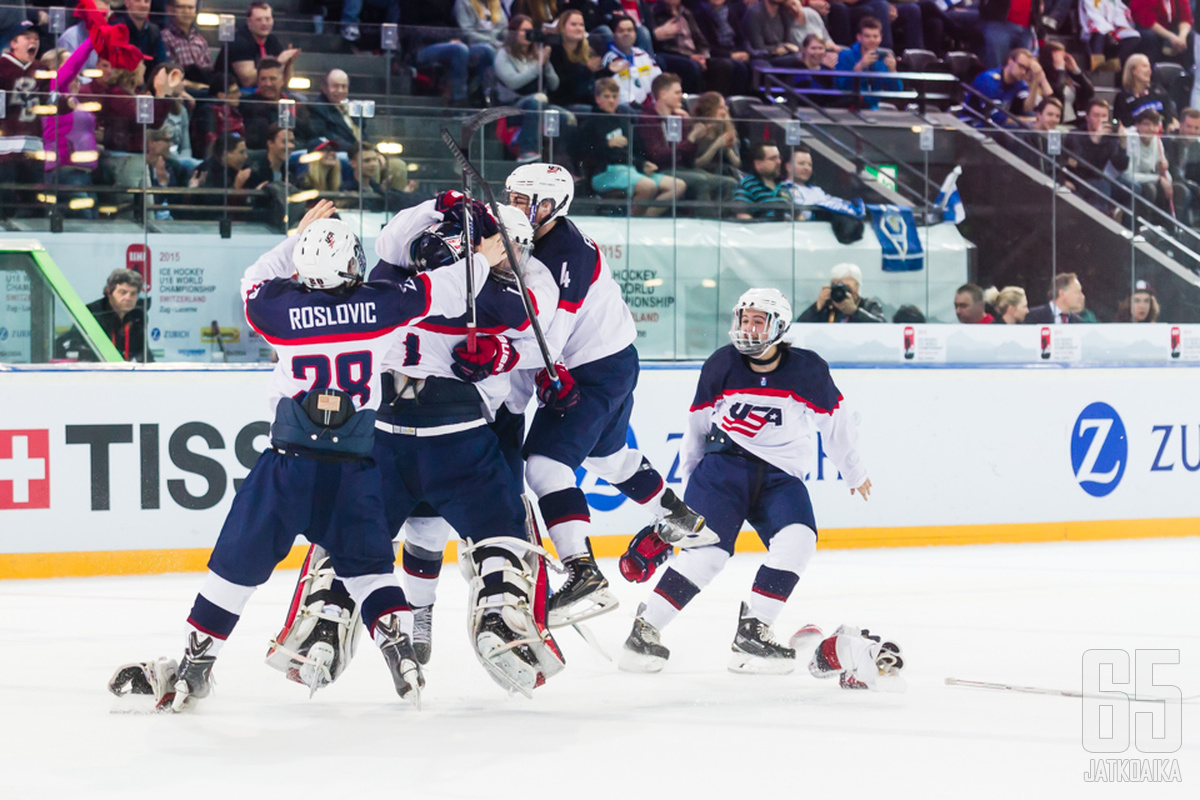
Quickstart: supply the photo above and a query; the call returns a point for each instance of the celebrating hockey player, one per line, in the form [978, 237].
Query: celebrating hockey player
[749, 439]
[586, 405]
[318, 479]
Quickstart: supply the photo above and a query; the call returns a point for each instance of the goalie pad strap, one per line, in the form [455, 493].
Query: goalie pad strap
[331, 596]
[483, 553]
[502, 588]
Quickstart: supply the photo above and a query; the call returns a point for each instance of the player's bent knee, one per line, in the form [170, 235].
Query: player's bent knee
[426, 534]
[700, 564]
[545, 475]
[615, 468]
[791, 548]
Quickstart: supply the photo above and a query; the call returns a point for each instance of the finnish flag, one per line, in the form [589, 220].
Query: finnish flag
[949, 201]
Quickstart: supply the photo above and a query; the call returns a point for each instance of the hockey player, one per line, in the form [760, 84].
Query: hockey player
[583, 421]
[318, 479]
[749, 439]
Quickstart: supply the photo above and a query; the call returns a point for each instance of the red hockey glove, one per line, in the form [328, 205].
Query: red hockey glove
[646, 553]
[562, 399]
[483, 225]
[493, 355]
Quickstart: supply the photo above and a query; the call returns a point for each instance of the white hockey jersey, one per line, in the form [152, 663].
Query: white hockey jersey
[592, 320]
[338, 339]
[773, 416]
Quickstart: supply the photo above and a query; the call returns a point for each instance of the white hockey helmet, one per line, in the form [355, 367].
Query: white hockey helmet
[520, 234]
[542, 183]
[779, 319]
[328, 255]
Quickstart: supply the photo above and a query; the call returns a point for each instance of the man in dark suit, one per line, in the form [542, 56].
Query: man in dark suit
[329, 116]
[1067, 303]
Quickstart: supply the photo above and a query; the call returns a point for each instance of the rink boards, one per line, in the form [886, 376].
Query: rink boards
[120, 470]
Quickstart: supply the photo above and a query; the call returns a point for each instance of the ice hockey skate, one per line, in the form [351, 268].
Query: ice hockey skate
[682, 526]
[402, 662]
[422, 637]
[584, 595]
[755, 650]
[195, 673]
[643, 650]
[857, 657]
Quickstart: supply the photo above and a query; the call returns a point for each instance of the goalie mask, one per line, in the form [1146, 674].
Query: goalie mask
[328, 255]
[538, 185]
[439, 245]
[779, 317]
[520, 235]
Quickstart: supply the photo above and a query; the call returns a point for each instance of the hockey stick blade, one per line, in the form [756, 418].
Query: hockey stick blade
[488, 115]
[1008, 687]
[586, 633]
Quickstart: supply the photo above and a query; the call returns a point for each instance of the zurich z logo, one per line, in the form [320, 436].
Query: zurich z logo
[749, 420]
[1099, 449]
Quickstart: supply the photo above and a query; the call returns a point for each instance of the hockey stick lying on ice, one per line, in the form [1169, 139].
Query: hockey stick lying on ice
[1066, 692]
[469, 170]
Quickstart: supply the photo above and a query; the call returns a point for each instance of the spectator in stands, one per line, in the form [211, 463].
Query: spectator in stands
[1047, 117]
[817, 58]
[227, 169]
[1066, 302]
[219, 113]
[273, 165]
[544, 13]
[814, 203]
[807, 22]
[721, 23]
[1106, 26]
[1007, 25]
[73, 38]
[1139, 94]
[366, 172]
[324, 175]
[841, 299]
[1098, 149]
[71, 133]
[402, 191]
[261, 109]
[867, 56]
[253, 42]
[969, 306]
[598, 16]
[676, 159]
[163, 171]
[352, 9]
[718, 146]
[1166, 28]
[1011, 306]
[178, 122]
[1016, 89]
[765, 28]
[185, 45]
[1149, 170]
[330, 116]
[1183, 151]
[121, 314]
[604, 141]
[482, 22]
[1069, 83]
[524, 75]
[116, 91]
[143, 34]
[629, 65]
[686, 53]
[433, 33]
[574, 62]
[908, 315]
[762, 186]
[1141, 306]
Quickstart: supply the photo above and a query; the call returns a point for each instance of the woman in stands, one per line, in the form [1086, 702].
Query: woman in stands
[1010, 305]
[717, 148]
[574, 62]
[518, 67]
[1071, 84]
[1142, 306]
[1140, 94]
[324, 175]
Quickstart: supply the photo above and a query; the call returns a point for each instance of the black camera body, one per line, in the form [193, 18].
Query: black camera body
[838, 292]
[538, 36]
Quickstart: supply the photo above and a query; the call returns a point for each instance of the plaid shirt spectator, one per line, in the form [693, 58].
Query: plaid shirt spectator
[187, 49]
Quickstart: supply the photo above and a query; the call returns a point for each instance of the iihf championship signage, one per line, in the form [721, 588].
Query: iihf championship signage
[152, 459]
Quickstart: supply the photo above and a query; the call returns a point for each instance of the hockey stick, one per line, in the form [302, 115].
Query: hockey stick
[469, 170]
[469, 126]
[589, 637]
[1007, 687]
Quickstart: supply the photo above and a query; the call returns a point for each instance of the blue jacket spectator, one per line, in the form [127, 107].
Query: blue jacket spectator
[1010, 87]
[866, 56]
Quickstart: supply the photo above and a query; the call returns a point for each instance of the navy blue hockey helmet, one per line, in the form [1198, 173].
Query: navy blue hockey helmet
[439, 245]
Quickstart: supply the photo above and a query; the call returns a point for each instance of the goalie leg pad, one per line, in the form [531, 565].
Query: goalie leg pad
[320, 635]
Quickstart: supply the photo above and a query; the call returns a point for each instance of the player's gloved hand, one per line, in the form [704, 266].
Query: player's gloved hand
[562, 399]
[493, 355]
[450, 205]
[645, 554]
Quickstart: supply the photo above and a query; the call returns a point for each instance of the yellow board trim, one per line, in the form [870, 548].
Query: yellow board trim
[149, 562]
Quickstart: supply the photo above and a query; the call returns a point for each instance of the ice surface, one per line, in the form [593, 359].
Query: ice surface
[1020, 614]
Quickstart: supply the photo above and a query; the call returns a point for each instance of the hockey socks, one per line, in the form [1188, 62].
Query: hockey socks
[216, 611]
[379, 596]
[422, 569]
[567, 521]
[772, 588]
[643, 486]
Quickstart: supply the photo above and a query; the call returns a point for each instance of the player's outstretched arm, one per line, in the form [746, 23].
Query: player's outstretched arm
[393, 241]
[277, 262]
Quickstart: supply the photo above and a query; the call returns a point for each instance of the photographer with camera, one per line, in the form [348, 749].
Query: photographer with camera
[840, 301]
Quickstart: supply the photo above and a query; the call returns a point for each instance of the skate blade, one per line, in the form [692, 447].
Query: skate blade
[702, 538]
[756, 665]
[314, 672]
[505, 666]
[593, 605]
[640, 662]
[806, 637]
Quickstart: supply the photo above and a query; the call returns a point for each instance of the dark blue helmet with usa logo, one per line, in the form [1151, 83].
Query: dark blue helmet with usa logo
[439, 245]
[753, 339]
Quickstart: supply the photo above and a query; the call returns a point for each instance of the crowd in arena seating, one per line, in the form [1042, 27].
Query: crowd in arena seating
[642, 89]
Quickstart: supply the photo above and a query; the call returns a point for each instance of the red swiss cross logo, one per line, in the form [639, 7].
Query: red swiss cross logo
[25, 469]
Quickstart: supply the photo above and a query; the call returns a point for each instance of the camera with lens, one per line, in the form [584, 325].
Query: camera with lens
[539, 36]
[838, 292]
